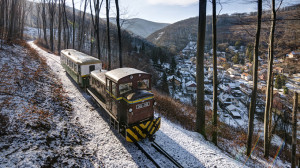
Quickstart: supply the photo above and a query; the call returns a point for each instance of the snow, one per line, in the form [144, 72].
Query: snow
[159, 36]
[188, 148]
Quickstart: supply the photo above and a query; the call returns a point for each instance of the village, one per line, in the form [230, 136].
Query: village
[235, 84]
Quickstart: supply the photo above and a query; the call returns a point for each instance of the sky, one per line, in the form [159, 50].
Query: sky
[171, 11]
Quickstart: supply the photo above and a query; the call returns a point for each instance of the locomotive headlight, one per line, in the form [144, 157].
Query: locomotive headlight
[130, 110]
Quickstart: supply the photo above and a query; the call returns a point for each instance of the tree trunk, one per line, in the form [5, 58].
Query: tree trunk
[59, 26]
[12, 21]
[73, 24]
[270, 111]
[294, 136]
[119, 33]
[200, 120]
[254, 91]
[95, 21]
[108, 35]
[44, 18]
[215, 81]
[269, 82]
[82, 27]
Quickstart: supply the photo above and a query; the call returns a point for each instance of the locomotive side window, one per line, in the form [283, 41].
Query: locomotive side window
[143, 84]
[114, 88]
[107, 85]
[125, 87]
[92, 68]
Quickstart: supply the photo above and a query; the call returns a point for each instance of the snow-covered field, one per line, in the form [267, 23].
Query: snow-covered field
[189, 148]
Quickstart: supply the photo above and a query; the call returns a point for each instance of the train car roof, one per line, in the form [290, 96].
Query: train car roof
[99, 75]
[79, 57]
[120, 73]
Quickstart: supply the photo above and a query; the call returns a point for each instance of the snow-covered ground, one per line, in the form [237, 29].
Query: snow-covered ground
[189, 148]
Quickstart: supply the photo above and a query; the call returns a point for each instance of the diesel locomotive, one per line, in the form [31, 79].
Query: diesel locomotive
[124, 93]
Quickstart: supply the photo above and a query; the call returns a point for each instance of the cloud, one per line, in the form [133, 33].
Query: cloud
[172, 2]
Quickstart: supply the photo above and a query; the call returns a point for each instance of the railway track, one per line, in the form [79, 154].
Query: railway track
[160, 150]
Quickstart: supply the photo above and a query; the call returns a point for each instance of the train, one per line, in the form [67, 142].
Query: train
[124, 93]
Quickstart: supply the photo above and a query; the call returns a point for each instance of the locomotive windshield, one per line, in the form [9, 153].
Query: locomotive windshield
[125, 87]
[143, 84]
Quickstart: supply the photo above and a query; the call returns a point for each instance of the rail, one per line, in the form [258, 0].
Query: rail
[161, 151]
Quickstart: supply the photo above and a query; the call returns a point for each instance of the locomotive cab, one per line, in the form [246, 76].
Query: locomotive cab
[127, 97]
[131, 88]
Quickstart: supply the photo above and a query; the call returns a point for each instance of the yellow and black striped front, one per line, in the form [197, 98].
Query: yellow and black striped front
[143, 130]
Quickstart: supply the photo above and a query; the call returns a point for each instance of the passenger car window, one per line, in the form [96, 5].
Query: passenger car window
[125, 87]
[143, 84]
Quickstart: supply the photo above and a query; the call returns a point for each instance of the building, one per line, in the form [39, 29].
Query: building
[278, 70]
[293, 54]
[177, 81]
[246, 76]
[191, 86]
[234, 111]
[232, 72]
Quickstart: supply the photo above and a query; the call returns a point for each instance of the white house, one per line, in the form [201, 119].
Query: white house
[191, 86]
[293, 54]
[234, 111]
[232, 72]
[246, 76]
[227, 99]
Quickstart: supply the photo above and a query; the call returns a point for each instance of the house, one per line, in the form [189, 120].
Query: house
[232, 72]
[191, 86]
[245, 89]
[246, 76]
[227, 99]
[278, 70]
[177, 81]
[186, 67]
[293, 54]
[234, 111]
[221, 60]
[263, 76]
[249, 65]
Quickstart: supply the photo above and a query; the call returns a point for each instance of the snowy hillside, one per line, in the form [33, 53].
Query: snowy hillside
[62, 126]
[189, 148]
[140, 27]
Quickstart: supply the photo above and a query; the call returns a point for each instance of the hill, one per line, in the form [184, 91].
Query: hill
[232, 28]
[140, 27]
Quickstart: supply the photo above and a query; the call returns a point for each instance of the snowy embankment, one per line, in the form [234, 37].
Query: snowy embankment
[111, 150]
[36, 129]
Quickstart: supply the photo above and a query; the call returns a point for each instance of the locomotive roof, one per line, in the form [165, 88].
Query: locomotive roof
[120, 73]
[79, 57]
[99, 75]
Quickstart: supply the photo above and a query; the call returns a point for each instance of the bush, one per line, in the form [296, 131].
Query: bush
[285, 90]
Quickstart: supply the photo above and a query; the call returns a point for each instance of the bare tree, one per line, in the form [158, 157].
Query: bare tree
[215, 80]
[255, 67]
[44, 18]
[119, 33]
[96, 23]
[200, 120]
[294, 136]
[74, 22]
[108, 34]
[59, 26]
[51, 11]
[269, 91]
[82, 26]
